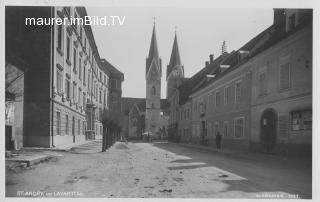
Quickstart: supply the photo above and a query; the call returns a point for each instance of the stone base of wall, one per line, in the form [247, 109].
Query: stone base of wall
[37, 141]
[63, 141]
[292, 150]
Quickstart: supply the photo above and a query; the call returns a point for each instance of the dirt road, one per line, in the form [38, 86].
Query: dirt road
[161, 170]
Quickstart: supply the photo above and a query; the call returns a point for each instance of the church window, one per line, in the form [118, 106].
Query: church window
[153, 90]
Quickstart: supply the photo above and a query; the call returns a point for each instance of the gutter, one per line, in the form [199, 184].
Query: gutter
[52, 78]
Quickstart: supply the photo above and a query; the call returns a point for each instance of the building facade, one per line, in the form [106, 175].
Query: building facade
[282, 89]
[67, 84]
[258, 97]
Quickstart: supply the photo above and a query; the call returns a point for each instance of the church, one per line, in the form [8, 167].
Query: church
[151, 114]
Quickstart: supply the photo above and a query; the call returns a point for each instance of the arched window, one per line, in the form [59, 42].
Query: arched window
[153, 90]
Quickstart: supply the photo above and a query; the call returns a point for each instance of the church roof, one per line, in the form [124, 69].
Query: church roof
[175, 56]
[128, 102]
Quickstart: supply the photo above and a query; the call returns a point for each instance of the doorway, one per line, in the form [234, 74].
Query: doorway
[268, 130]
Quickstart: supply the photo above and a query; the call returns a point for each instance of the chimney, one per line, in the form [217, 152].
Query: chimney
[279, 16]
[207, 63]
[211, 58]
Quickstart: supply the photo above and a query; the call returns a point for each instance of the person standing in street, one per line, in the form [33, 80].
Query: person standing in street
[218, 140]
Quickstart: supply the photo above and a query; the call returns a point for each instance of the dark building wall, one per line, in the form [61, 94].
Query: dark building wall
[33, 45]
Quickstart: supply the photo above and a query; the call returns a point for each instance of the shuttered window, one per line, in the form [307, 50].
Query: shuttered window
[217, 99]
[238, 91]
[238, 127]
[59, 81]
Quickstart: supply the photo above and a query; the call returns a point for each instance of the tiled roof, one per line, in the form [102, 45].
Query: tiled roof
[110, 67]
[267, 38]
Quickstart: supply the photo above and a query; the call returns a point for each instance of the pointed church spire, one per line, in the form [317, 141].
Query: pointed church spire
[153, 51]
[175, 55]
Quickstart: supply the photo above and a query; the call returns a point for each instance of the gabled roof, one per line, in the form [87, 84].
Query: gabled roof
[264, 40]
[127, 103]
[175, 56]
[110, 67]
[200, 78]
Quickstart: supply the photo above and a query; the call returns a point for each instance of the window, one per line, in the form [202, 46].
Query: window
[59, 36]
[225, 128]
[283, 126]
[73, 125]
[226, 95]
[67, 124]
[96, 92]
[67, 88]
[285, 76]
[79, 127]
[74, 91]
[58, 124]
[113, 83]
[153, 91]
[68, 48]
[75, 60]
[84, 74]
[100, 97]
[80, 75]
[262, 84]
[59, 81]
[84, 100]
[217, 99]
[239, 127]
[209, 129]
[84, 128]
[216, 128]
[238, 90]
[104, 79]
[100, 76]
[79, 96]
[301, 120]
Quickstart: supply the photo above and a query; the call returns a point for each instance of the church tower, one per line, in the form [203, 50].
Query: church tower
[153, 87]
[175, 71]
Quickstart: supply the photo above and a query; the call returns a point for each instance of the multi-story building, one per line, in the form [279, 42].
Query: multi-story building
[67, 84]
[258, 97]
[281, 101]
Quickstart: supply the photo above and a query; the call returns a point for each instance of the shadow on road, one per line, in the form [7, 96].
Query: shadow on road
[259, 172]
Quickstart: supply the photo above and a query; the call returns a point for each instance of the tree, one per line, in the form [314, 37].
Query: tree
[111, 127]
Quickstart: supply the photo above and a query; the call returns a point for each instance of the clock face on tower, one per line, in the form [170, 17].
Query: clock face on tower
[175, 72]
[154, 73]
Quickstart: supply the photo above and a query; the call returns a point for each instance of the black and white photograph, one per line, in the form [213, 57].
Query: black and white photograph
[176, 100]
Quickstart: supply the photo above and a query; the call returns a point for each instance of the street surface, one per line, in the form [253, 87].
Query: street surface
[163, 170]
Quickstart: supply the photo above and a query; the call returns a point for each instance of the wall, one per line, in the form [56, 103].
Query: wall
[298, 50]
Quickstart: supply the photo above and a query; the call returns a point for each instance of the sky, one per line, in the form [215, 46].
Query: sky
[200, 32]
